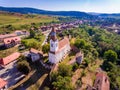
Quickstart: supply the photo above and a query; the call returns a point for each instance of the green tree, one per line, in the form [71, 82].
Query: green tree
[63, 83]
[31, 43]
[46, 48]
[32, 33]
[114, 75]
[54, 76]
[24, 67]
[111, 56]
[65, 70]
[80, 43]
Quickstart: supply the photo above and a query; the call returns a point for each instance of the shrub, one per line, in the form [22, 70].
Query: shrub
[65, 70]
[23, 67]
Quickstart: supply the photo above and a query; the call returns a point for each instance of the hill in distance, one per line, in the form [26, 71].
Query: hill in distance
[26, 10]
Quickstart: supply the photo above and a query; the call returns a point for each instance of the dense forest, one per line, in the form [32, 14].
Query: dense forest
[98, 43]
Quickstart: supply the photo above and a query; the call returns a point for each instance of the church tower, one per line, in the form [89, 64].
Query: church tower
[53, 41]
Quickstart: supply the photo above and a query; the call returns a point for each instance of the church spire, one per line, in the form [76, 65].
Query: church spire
[53, 34]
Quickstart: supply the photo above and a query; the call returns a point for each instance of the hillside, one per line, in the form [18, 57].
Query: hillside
[105, 15]
[45, 12]
[20, 19]
[12, 21]
[117, 15]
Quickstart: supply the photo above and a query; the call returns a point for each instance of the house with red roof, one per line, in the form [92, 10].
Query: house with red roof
[2, 37]
[101, 82]
[3, 84]
[58, 49]
[12, 41]
[22, 33]
[35, 55]
[9, 59]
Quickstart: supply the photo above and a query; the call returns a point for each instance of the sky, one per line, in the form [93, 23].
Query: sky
[99, 6]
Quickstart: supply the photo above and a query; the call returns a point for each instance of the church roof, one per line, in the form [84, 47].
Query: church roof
[63, 42]
[62, 45]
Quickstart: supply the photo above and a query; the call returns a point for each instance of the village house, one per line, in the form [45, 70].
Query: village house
[22, 33]
[2, 37]
[35, 55]
[101, 82]
[3, 84]
[9, 40]
[9, 59]
[62, 26]
[79, 57]
[12, 41]
[58, 49]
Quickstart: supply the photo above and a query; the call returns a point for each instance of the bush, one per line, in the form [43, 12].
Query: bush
[53, 76]
[75, 66]
[65, 70]
[46, 48]
[111, 56]
[63, 83]
[24, 67]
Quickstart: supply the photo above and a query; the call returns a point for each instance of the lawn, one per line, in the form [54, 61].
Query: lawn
[21, 20]
[7, 52]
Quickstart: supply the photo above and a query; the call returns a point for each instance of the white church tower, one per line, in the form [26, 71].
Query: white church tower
[53, 41]
[58, 49]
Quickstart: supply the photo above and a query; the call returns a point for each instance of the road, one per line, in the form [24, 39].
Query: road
[46, 33]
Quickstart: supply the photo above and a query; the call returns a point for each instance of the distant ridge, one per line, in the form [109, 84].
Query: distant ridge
[26, 10]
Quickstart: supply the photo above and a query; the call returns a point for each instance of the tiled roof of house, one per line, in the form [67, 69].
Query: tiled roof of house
[2, 83]
[102, 81]
[32, 50]
[7, 36]
[8, 40]
[10, 58]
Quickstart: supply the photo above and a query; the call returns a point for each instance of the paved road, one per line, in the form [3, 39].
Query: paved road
[46, 36]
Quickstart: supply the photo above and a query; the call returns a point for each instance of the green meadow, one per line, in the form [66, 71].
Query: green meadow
[21, 20]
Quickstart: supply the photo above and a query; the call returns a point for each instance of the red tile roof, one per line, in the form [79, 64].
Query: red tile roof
[62, 44]
[2, 83]
[7, 36]
[102, 81]
[32, 50]
[10, 58]
[8, 40]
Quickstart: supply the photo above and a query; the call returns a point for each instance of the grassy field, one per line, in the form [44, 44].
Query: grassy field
[6, 52]
[21, 20]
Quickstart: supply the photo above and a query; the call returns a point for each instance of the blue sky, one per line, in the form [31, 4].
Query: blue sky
[102, 6]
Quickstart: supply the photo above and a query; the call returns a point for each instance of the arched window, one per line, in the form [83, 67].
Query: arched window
[51, 45]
